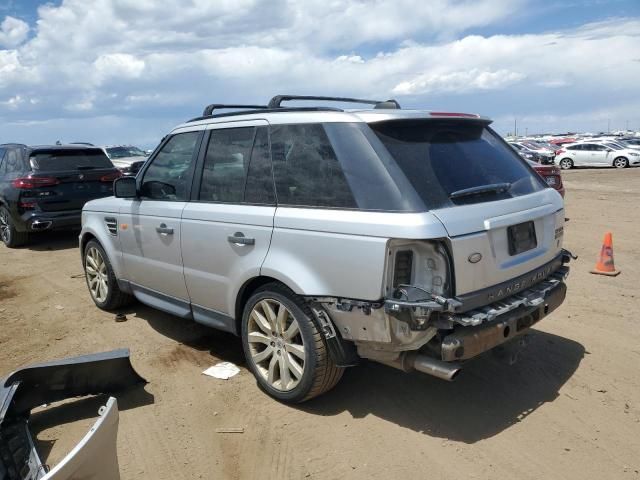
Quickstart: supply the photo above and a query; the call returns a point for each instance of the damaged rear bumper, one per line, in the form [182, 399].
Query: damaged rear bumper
[512, 319]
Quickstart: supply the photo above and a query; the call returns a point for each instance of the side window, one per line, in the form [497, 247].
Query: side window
[12, 160]
[2, 162]
[599, 148]
[226, 164]
[306, 169]
[169, 174]
[588, 147]
[259, 187]
[575, 147]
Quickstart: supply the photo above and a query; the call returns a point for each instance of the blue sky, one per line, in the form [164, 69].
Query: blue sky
[126, 71]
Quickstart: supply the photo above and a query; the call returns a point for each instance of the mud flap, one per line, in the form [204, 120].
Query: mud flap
[343, 353]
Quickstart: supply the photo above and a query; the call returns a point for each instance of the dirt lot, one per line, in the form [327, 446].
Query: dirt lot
[569, 409]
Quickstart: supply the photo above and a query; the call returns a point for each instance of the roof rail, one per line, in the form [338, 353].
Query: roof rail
[278, 99]
[218, 106]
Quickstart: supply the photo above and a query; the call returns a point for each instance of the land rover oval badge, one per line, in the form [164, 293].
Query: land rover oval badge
[475, 257]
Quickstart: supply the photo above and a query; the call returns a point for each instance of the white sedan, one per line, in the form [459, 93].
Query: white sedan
[586, 154]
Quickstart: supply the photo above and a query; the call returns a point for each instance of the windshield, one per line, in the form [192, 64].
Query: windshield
[124, 152]
[76, 159]
[615, 146]
[441, 158]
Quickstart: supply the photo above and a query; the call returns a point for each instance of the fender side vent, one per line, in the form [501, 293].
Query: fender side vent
[112, 225]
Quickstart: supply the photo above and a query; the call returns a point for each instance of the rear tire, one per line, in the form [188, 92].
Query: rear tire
[11, 237]
[101, 280]
[621, 162]
[566, 164]
[284, 348]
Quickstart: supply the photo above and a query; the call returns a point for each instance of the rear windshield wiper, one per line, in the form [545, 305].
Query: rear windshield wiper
[85, 167]
[480, 190]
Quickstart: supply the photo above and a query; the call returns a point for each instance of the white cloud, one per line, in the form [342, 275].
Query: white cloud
[13, 32]
[132, 59]
[461, 81]
[117, 65]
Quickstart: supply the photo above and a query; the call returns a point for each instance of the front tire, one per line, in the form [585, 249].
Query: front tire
[284, 349]
[11, 237]
[566, 164]
[101, 280]
[621, 162]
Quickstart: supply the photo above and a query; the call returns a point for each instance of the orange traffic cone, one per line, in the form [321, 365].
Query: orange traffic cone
[604, 265]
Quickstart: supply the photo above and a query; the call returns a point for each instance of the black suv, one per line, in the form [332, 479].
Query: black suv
[45, 187]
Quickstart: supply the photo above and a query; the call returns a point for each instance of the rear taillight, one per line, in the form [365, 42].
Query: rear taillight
[454, 114]
[27, 205]
[558, 152]
[110, 177]
[417, 269]
[403, 268]
[34, 182]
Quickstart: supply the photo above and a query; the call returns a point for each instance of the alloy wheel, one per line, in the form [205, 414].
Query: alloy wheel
[620, 162]
[5, 232]
[97, 275]
[276, 345]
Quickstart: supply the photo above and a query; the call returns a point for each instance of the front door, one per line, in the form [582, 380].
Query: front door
[150, 225]
[226, 229]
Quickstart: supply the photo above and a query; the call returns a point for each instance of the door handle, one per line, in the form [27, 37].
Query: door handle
[164, 230]
[239, 239]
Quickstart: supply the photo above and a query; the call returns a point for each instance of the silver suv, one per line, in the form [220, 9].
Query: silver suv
[323, 236]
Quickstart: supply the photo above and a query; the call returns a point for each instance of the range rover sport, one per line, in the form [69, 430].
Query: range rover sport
[321, 236]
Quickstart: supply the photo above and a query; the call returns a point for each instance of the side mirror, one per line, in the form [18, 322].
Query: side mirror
[125, 187]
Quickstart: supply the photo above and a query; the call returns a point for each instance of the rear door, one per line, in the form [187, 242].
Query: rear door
[226, 229]
[150, 231]
[593, 154]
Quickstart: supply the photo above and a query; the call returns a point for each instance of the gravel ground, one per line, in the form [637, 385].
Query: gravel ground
[569, 409]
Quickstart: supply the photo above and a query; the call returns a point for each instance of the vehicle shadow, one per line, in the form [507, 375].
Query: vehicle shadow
[53, 241]
[72, 410]
[221, 345]
[488, 396]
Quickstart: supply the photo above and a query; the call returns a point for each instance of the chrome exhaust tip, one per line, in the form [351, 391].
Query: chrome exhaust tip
[39, 225]
[437, 368]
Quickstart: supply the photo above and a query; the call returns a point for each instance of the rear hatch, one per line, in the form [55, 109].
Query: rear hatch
[488, 199]
[65, 179]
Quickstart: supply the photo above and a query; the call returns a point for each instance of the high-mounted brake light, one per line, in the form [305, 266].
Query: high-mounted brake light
[34, 182]
[110, 177]
[454, 114]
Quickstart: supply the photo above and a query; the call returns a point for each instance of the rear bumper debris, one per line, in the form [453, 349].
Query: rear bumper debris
[95, 456]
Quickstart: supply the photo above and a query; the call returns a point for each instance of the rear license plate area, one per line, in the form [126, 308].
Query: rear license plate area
[522, 237]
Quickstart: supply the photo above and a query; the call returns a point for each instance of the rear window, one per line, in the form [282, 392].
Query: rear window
[63, 160]
[441, 158]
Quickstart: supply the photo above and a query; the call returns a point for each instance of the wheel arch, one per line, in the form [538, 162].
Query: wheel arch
[246, 290]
